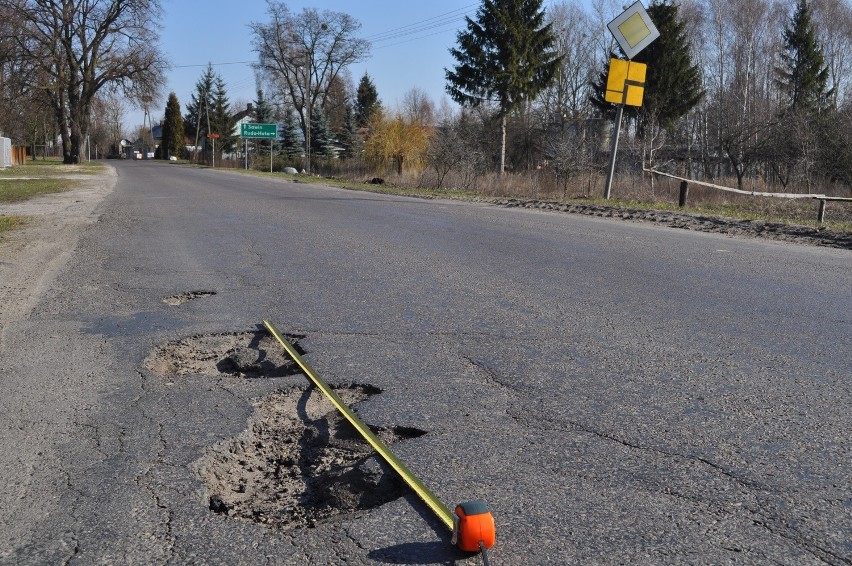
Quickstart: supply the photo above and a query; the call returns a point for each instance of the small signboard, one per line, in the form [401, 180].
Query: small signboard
[633, 30]
[625, 82]
[259, 131]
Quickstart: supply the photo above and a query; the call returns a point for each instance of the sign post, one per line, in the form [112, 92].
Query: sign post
[634, 31]
[259, 132]
[213, 137]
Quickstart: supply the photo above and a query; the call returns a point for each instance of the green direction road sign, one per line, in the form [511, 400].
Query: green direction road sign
[262, 131]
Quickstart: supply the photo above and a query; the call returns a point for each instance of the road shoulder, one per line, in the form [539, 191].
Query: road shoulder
[31, 258]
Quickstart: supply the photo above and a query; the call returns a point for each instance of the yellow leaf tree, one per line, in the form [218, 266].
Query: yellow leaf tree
[399, 140]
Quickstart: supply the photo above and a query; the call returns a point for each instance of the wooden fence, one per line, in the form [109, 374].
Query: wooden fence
[19, 154]
[684, 191]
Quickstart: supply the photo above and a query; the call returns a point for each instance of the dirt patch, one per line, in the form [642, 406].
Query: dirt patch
[251, 354]
[300, 463]
[701, 223]
[30, 258]
[178, 300]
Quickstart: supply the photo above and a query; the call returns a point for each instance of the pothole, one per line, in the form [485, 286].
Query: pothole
[250, 354]
[177, 300]
[300, 463]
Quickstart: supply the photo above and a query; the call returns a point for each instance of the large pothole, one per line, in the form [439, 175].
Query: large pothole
[244, 354]
[300, 463]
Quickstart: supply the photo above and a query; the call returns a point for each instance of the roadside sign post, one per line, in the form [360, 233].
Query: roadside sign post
[213, 137]
[259, 132]
[634, 31]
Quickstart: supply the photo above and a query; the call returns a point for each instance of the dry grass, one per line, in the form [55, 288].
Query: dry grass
[632, 190]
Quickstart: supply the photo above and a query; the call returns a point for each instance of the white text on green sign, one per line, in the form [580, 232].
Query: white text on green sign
[263, 131]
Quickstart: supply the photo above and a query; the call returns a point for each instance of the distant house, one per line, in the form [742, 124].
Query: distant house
[243, 117]
[146, 145]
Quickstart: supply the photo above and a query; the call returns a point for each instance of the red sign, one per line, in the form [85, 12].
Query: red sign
[213, 136]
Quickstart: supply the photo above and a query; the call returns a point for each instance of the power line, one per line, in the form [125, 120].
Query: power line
[444, 19]
[214, 64]
[412, 32]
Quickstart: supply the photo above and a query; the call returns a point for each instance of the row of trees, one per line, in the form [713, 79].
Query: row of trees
[62, 62]
[755, 90]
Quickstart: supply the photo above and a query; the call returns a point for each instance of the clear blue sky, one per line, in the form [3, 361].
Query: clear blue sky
[410, 41]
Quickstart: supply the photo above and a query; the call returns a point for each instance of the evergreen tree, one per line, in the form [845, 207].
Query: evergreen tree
[292, 144]
[673, 81]
[803, 76]
[346, 137]
[506, 56]
[197, 117]
[366, 101]
[321, 140]
[197, 111]
[264, 113]
[221, 120]
[173, 131]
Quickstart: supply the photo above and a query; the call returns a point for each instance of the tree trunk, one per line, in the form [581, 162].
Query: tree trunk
[62, 122]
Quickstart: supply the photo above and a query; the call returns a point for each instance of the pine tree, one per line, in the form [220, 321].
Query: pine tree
[321, 140]
[173, 131]
[292, 144]
[346, 137]
[803, 76]
[264, 113]
[197, 111]
[197, 117]
[366, 101]
[673, 81]
[221, 120]
[506, 56]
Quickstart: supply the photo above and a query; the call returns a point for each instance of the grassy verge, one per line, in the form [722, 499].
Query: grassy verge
[9, 223]
[17, 190]
[702, 203]
[51, 168]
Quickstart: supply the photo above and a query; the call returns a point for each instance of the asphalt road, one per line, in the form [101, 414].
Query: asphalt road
[618, 393]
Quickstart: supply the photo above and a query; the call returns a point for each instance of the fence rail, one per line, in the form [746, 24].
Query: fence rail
[684, 190]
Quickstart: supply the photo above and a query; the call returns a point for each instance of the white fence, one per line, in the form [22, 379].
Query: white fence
[5, 152]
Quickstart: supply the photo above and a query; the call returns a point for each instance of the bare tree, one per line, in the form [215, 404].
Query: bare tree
[81, 47]
[833, 19]
[305, 53]
[417, 107]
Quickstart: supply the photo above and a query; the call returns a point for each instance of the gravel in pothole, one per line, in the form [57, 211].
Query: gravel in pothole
[249, 354]
[178, 300]
[300, 463]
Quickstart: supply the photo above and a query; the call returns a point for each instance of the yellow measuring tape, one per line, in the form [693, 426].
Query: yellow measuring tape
[441, 510]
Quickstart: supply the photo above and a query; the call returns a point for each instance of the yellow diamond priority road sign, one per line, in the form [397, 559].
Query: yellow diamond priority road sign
[633, 30]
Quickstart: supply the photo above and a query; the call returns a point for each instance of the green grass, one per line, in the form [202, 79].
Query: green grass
[8, 223]
[51, 167]
[18, 190]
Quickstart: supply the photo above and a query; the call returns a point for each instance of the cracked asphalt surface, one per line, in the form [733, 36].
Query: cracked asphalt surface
[619, 393]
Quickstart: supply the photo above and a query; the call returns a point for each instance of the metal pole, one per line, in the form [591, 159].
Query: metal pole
[214, 152]
[246, 141]
[308, 120]
[614, 149]
[270, 154]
